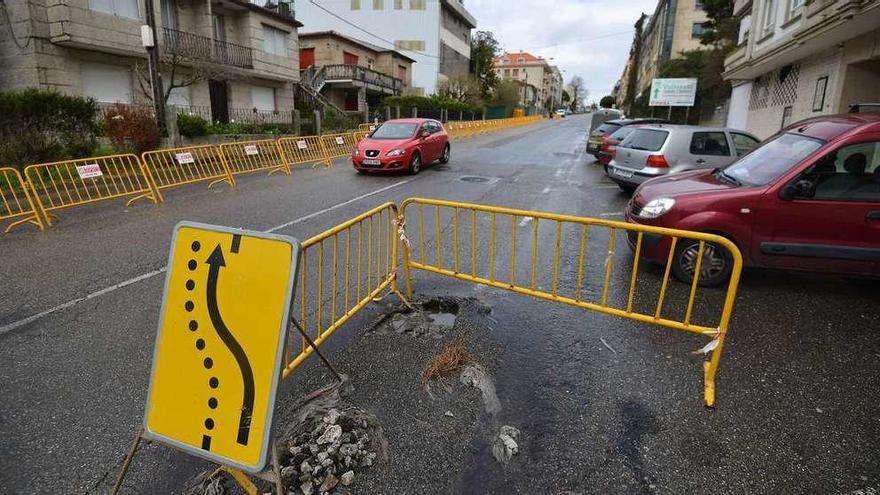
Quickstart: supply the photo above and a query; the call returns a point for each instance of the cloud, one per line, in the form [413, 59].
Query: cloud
[589, 38]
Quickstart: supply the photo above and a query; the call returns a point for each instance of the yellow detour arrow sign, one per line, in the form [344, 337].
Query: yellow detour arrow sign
[220, 347]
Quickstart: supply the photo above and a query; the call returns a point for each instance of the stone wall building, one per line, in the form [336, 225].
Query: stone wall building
[798, 59]
[242, 56]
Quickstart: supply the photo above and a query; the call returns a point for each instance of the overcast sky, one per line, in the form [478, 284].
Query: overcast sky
[590, 38]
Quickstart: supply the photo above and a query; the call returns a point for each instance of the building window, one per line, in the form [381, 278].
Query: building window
[412, 45]
[515, 72]
[121, 8]
[794, 9]
[263, 98]
[378, 4]
[505, 61]
[819, 94]
[355, 4]
[698, 30]
[506, 72]
[520, 60]
[416, 4]
[698, 5]
[106, 83]
[274, 41]
[786, 117]
[769, 20]
[745, 27]
[398, 4]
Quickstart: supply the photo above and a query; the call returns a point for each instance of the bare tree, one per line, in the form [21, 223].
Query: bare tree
[464, 88]
[182, 72]
[578, 92]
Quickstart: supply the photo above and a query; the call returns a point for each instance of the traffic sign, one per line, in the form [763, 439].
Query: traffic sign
[219, 350]
[681, 92]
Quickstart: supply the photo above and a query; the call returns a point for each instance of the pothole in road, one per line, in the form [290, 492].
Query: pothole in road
[475, 179]
[431, 318]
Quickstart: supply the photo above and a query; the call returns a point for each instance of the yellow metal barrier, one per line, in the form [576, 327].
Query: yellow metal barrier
[244, 157]
[338, 145]
[349, 265]
[367, 127]
[358, 135]
[178, 166]
[303, 149]
[70, 183]
[566, 274]
[15, 200]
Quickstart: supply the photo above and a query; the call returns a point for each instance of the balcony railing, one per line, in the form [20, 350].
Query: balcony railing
[362, 74]
[205, 49]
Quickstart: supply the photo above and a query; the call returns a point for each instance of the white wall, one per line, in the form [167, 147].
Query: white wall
[738, 113]
[387, 25]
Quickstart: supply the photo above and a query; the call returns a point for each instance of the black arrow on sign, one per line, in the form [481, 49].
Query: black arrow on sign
[216, 261]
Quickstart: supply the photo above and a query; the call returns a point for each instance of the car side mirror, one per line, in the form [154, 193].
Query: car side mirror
[801, 188]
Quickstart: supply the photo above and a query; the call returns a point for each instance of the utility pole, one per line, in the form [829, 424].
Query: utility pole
[151, 43]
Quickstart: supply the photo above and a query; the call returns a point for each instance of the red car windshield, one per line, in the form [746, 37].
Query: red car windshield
[770, 161]
[393, 130]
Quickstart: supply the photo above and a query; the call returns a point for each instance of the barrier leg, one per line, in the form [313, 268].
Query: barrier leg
[710, 368]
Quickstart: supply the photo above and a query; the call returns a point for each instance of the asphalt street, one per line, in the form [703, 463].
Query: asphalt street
[605, 404]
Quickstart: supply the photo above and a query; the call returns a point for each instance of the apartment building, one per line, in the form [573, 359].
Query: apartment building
[531, 70]
[436, 34]
[797, 59]
[233, 59]
[674, 27]
[350, 73]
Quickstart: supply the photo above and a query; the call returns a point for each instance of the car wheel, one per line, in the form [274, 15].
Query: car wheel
[625, 187]
[715, 269]
[445, 157]
[415, 163]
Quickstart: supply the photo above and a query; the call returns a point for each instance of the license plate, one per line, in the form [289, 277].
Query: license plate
[622, 173]
[369, 161]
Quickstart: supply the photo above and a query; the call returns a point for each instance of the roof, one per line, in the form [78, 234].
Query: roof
[355, 41]
[410, 120]
[513, 57]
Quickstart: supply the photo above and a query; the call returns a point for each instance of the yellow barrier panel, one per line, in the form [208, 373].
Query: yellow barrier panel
[351, 265]
[70, 183]
[367, 127]
[564, 275]
[178, 166]
[359, 135]
[338, 145]
[244, 157]
[15, 200]
[303, 149]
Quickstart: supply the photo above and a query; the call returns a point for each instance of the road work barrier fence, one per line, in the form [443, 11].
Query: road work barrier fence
[15, 200]
[303, 149]
[53, 186]
[244, 157]
[338, 145]
[499, 247]
[179, 166]
[70, 183]
[351, 265]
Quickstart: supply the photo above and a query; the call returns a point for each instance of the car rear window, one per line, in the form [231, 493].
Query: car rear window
[606, 129]
[645, 139]
[622, 133]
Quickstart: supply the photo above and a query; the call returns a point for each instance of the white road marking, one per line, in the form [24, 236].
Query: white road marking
[612, 214]
[546, 190]
[146, 276]
[525, 221]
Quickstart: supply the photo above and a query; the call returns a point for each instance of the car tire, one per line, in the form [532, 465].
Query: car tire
[445, 157]
[415, 163]
[715, 274]
[626, 187]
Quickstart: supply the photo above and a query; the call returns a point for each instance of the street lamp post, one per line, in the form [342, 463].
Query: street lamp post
[150, 42]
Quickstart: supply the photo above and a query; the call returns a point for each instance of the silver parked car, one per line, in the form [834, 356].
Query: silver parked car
[656, 150]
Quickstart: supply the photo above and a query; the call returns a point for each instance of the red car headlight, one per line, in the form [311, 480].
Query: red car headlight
[395, 152]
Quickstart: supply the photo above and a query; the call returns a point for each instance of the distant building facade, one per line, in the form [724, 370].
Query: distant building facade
[528, 69]
[797, 59]
[244, 53]
[434, 33]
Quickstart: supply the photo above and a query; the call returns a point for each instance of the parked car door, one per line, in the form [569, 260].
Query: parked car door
[830, 218]
[743, 143]
[710, 149]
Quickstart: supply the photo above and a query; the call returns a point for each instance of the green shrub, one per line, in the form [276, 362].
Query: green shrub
[192, 125]
[38, 126]
[434, 102]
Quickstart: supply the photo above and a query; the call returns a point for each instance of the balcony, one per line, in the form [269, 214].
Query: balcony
[205, 49]
[355, 73]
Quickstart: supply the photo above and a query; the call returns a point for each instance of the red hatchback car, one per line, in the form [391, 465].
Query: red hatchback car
[402, 145]
[807, 199]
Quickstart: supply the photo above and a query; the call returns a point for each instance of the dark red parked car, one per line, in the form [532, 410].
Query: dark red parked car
[807, 199]
[402, 145]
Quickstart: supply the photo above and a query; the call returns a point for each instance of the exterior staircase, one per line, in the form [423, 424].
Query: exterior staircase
[309, 90]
